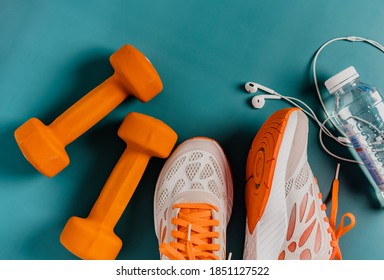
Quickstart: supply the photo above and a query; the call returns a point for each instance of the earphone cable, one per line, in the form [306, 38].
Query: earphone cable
[328, 117]
[314, 65]
[294, 101]
[342, 140]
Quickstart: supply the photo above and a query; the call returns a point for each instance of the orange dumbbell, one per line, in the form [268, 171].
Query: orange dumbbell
[93, 237]
[44, 146]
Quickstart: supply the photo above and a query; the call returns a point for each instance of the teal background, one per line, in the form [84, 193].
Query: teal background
[54, 52]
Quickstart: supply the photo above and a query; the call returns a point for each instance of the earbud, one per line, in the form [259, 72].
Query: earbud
[258, 101]
[252, 87]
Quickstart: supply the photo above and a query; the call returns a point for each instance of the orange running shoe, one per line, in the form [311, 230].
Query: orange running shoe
[286, 217]
[193, 202]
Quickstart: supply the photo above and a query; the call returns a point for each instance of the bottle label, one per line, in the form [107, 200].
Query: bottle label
[366, 156]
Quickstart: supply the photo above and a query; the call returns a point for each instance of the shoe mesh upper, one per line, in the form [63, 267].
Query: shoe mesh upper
[197, 170]
[307, 230]
[303, 176]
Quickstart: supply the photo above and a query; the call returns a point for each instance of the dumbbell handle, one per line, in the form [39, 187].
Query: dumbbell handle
[119, 188]
[89, 110]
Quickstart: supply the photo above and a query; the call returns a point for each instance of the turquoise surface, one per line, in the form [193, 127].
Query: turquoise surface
[54, 52]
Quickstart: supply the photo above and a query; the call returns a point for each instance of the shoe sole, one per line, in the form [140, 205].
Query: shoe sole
[262, 164]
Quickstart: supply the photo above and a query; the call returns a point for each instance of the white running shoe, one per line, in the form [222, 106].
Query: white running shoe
[286, 217]
[193, 202]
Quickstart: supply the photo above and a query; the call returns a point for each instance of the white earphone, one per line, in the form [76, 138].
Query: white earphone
[258, 101]
[252, 87]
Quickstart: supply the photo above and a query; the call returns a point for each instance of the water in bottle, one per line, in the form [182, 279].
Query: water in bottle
[359, 113]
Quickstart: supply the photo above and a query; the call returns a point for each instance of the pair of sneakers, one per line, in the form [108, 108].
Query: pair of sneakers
[285, 214]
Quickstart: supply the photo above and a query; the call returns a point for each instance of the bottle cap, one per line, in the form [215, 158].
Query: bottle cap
[341, 79]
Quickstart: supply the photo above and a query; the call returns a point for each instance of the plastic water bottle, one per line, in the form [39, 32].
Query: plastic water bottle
[359, 112]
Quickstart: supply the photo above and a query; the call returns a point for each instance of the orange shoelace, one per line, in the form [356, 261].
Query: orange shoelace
[337, 232]
[194, 233]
